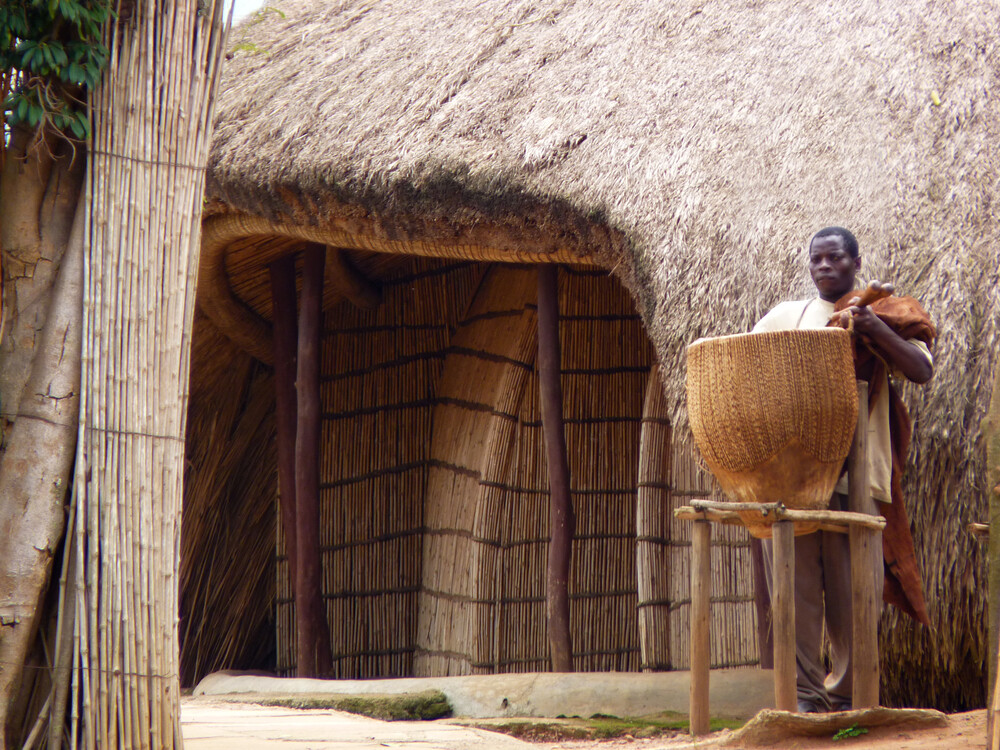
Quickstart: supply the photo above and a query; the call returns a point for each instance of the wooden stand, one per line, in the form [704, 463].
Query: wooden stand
[863, 525]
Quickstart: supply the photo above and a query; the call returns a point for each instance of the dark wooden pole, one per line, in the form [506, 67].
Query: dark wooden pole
[762, 604]
[313, 651]
[991, 439]
[285, 343]
[562, 522]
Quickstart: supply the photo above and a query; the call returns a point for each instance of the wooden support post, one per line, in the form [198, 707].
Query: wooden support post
[762, 605]
[701, 584]
[866, 549]
[562, 522]
[285, 331]
[991, 439]
[313, 651]
[783, 616]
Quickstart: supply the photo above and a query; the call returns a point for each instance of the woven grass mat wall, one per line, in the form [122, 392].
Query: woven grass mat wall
[227, 533]
[434, 489]
[379, 371]
[482, 608]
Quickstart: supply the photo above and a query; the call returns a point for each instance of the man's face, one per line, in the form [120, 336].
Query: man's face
[832, 268]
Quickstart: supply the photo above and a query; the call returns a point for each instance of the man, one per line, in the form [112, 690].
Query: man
[892, 336]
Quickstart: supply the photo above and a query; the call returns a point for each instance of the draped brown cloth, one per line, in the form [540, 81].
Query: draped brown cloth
[905, 316]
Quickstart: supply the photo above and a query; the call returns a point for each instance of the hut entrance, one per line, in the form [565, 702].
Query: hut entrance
[434, 486]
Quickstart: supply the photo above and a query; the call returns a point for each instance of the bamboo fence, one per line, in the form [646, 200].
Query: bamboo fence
[116, 659]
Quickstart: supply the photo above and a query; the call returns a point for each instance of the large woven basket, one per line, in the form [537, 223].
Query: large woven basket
[773, 414]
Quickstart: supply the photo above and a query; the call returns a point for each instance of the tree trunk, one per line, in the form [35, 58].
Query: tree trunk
[562, 522]
[36, 466]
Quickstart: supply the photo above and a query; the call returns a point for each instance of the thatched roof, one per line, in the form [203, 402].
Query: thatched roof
[692, 147]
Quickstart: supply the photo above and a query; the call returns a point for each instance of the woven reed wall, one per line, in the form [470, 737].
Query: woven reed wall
[434, 487]
[483, 605]
[734, 620]
[228, 522]
[474, 423]
[379, 371]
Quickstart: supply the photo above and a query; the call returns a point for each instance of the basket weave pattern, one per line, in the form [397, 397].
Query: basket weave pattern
[774, 413]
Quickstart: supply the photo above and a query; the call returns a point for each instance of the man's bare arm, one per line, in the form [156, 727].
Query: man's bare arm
[902, 355]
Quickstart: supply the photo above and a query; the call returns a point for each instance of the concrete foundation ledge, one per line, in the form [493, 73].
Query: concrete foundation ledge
[734, 693]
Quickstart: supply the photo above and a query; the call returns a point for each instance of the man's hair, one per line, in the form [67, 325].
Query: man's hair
[850, 242]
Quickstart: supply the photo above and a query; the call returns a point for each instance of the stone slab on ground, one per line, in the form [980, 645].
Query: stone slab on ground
[734, 693]
[214, 725]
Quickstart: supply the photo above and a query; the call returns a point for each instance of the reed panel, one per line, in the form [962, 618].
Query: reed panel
[733, 616]
[379, 371]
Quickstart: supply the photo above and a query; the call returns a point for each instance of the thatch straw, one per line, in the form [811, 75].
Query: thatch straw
[227, 573]
[691, 147]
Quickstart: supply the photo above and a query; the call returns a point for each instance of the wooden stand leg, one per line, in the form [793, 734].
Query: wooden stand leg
[866, 551]
[701, 578]
[783, 608]
[864, 543]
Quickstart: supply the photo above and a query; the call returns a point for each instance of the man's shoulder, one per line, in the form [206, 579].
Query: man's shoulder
[782, 316]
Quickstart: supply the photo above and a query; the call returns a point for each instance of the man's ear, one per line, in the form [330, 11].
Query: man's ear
[857, 263]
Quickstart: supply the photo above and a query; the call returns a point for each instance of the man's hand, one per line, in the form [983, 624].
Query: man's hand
[867, 322]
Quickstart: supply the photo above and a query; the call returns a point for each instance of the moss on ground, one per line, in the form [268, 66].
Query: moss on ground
[597, 727]
[422, 706]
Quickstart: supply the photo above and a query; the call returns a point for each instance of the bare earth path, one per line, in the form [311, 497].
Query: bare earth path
[209, 724]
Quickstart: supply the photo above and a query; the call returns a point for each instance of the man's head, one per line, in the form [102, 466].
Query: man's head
[833, 262]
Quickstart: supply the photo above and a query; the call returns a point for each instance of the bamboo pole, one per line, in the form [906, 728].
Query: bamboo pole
[865, 544]
[701, 577]
[285, 334]
[562, 521]
[313, 653]
[783, 619]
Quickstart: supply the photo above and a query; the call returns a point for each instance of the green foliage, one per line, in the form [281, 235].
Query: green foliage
[852, 731]
[50, 54]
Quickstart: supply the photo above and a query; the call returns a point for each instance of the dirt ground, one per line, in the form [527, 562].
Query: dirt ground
[967, 730]
[217, 725]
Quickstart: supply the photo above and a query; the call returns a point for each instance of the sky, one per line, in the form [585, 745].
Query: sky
[243, 8]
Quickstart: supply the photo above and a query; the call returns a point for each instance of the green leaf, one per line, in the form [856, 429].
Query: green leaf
[80, 125]
[35, 115]
[59, 55]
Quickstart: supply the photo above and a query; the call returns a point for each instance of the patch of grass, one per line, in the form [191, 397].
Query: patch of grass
[852, 731]
[422, 706]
